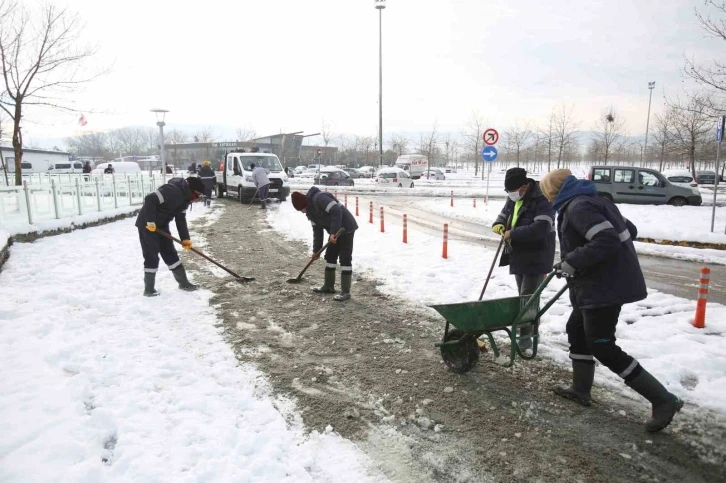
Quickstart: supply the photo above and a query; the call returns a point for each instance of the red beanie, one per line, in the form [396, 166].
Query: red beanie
[299, 201]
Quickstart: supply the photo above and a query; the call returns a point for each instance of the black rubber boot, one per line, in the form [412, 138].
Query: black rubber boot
[665, 404]
[329, 285]
[149, 280]
[263, 205]
[180, 275]
[583, 374]
[346, 280]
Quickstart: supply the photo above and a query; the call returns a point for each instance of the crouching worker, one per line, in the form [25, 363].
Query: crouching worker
[327, 213]
[169, 202]
[527, 223]
[603, 272]
[207, 176]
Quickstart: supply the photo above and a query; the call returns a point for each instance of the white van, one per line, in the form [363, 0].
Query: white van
[235, 177]
[119, 167]
[414, 164]
[64, 167]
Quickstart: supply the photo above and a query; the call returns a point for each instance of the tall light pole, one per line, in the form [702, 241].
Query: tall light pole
[380, 5]
[160, 115]
[651, 86]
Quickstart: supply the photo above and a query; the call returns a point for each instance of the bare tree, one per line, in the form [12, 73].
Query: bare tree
[326, 133]
[205, 135]
[40, 62]
[473, 137]
[130, 140]
[365, 144]
[427, 144]
[692, 122]
[245, 133]
[547, 136]
[516, 138]
[564, 131]
[715, 75]
[94, 144]
[176, 136]
[662, 133]
[399, 144]
[608, 132]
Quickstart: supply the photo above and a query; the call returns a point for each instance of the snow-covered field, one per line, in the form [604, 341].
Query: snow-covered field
[691, 362]
[101, 384]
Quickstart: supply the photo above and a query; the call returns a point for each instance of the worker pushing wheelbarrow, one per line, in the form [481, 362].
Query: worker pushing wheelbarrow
[471, 320]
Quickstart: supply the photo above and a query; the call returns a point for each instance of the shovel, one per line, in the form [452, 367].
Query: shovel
[299, 278]
[238, 277]
[491, 269]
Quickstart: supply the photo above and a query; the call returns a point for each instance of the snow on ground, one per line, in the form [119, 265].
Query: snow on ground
[101, 384]
[691, 362]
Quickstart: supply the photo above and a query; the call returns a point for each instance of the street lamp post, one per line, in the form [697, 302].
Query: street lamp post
[160, 115]
[651, 86]
[380, 5]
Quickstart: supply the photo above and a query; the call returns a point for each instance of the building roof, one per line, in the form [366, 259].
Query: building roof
[29, 150]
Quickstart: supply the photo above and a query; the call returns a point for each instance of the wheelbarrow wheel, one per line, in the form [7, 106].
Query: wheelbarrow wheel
[462, 357]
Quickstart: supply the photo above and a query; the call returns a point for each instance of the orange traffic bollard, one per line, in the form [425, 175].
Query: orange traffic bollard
[700, 320]
[345, 197]
[445, 254]
[370, 218]
[405, 228]
[356, 206]
[452, 198]
[383, 226]
[474, 202]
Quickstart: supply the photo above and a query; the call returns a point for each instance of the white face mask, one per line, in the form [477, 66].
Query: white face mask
[515, 196]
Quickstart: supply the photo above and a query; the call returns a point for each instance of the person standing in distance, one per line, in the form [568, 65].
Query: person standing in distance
[262, 183]
[169, 202]
[527, 223]
[602, 269]
[327, 214]
[207, 176]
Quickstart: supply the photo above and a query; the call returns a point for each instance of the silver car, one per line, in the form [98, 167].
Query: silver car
[629, 184]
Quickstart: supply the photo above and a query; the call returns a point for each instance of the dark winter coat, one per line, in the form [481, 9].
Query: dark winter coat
[325, 212]
[169, 202]
[598, 242]
[533, 237]
[87, 168]
[108, 170]
[207, 176]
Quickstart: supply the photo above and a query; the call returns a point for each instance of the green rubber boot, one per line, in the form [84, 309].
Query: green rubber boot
[149, 280]
[346, 280]
[665, 404]
[583, 374]
[180, 275]
[329, 285]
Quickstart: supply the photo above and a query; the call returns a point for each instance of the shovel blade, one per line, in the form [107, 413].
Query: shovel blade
[294, 280]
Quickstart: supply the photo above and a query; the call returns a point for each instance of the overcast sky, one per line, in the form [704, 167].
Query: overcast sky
[284, 65]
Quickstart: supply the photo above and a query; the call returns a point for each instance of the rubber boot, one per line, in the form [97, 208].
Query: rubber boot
[525, 344]
[665, 404]
[346, 280]
[263, 205]
[329, 285]
[583, 373]
[149, 280]
[180, 275]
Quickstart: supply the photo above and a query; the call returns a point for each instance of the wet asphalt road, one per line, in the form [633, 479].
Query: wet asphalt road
[675, 277]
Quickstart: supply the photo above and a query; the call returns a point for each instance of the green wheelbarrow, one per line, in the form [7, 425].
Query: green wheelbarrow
[471, 320]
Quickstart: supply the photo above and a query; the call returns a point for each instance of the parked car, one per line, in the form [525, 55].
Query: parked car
[367, 171]
[65, 167]
[354, 173]
[395, 176]
[333, 177]
[434, 173]
[680, 177]
[451, 169]
[628, 184]
[413, 164]
[708, 177]
[25, 168]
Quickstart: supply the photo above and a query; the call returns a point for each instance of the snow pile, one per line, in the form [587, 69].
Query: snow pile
[102, 384]
[23, 227]
[690, 361]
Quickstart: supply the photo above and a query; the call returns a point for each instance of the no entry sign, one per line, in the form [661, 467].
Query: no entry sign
[491, 137]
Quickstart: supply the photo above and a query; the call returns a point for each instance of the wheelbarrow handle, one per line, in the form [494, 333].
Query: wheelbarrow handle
[535, 296]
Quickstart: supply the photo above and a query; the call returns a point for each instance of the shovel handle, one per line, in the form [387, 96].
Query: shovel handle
[170, 237]
[491, 269]
[313, 258]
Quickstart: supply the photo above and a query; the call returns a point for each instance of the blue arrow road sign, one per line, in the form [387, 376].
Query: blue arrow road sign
[489, 153]
[720, 128]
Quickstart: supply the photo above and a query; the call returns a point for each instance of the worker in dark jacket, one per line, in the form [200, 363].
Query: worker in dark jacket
[207, 176]
[599, 260]
[527, 223]
[327, 214]
[109, 169]
[169, 202]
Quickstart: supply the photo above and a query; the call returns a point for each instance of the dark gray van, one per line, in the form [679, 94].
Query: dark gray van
[629, 184]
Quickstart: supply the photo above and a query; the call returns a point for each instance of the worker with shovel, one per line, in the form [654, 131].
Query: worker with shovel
[327, 213]
[167, 203]
[527, 225]
[262, 182]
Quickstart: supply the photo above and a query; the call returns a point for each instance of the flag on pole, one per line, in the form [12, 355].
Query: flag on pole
[82, 120]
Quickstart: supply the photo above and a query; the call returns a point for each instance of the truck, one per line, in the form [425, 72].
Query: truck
[641, 186]
[234, 177]
[414, 164]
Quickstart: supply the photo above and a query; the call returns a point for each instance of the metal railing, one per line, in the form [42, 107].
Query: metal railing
[52, 197]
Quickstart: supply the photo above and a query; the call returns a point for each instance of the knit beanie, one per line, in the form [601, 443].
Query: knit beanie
[195, 184]
[515, 179]
[299, 201]
[551, 183]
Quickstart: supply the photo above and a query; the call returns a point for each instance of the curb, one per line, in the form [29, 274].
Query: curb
[36, 235]
[683, 243]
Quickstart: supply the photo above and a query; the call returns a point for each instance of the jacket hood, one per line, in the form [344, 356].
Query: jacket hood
[182, 185]
[313, 191]
[571, 188]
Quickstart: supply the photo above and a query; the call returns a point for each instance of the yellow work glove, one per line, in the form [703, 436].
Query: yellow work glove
[498, 229]
[187, 244]
[151, 226]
